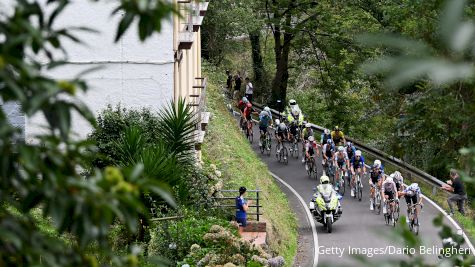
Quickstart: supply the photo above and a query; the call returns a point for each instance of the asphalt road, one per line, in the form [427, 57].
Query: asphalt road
[358, 231]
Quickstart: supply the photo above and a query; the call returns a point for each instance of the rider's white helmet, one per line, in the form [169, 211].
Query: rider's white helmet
[358, 153]
[389, 179]
[282, 126]
[377, 163]
[267, 109]
[245, 100]
[292, 102]
[308, 125]
[265, 113]
[311, 138]
[341, 149]
[326, 131]
[349, 143]
[277, 121]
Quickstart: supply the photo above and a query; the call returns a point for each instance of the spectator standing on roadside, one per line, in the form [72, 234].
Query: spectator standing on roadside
[457, 188]
[237, 85]
[229, 82]
[242, 205]
[249, 89]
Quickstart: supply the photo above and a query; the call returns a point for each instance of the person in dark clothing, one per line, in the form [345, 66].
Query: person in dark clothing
[237, 85]
[457, 188]
[242, 205]
[229, 81]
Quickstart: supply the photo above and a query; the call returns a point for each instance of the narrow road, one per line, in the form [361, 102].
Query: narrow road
[359, 231]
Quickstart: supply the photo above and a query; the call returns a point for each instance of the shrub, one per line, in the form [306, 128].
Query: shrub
[173, 239]
[222, 247]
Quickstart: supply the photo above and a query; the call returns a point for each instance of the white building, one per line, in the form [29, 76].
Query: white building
[150, 74]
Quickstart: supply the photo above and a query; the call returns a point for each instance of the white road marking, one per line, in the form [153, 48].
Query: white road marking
[309, 217]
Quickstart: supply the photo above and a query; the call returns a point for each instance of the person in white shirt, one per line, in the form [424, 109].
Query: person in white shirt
[249, 89]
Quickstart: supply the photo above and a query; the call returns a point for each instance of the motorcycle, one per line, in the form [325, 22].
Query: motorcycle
[325, 206]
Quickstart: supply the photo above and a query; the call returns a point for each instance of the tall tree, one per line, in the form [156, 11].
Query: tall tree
[286, 18]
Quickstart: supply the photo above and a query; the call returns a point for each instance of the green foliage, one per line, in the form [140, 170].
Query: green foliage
[173, 239]
[46, 173]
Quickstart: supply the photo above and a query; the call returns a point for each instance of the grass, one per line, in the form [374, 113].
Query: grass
[226, 147]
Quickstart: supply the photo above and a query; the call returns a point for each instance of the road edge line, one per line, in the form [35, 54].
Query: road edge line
[309, 216]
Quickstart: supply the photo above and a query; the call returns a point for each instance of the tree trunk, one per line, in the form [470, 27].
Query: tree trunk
[281, 78]
[257, 61]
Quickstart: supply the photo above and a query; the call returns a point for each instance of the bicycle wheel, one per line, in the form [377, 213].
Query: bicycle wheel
[359, 190]
[263, 145]
[396, 212]
[309, 168]
[286, 155]
[296, 150]
[315, 170]
[342, 183]
[415, 227]
[268, 146]
[377, 203]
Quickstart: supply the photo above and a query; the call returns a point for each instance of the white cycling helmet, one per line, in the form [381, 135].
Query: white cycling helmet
[349, 143]
[308, 125]
[358, 153]
[265, 113]
[244, 99]
[267, 109]
[377, 163]
[311, 138]
[326, 131]
[390, 178]
[292, 102]
[282, 126]
[341, 149]
[277, 121]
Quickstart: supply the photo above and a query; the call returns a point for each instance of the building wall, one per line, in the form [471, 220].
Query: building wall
[133, 73]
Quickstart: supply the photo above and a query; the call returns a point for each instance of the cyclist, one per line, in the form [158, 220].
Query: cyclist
[357, 165]
[241, 106]
[266, 108]
[325, 136]
[341, 160]
[338, 136]
[265, 119]
[388, 192]
[311, 149]
[412, 194]
[399, 181]
[282, 134]
[306, 133]
[375, 178]
[248, 111]
[328, 151]
[350, 149]
[295, 119]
